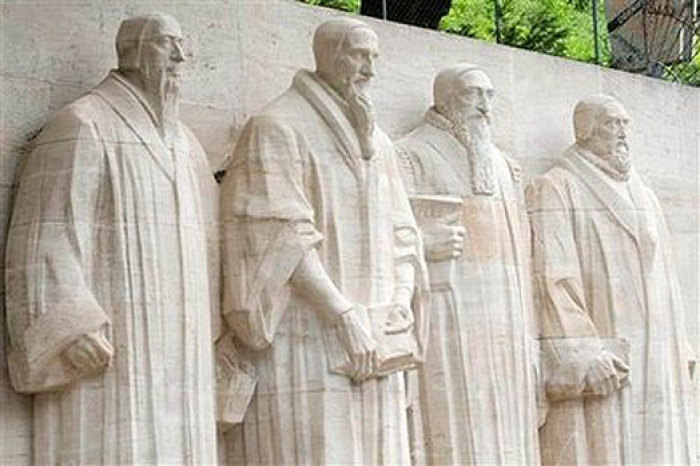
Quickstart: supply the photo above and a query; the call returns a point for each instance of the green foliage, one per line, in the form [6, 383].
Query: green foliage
[343, 5]
[555, 27]
[470, 18]
[534, 26]
[686, 73]
[582, 5]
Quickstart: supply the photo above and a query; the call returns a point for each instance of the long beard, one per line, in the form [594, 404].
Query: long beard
[619, 159]
[363, 118]
[612, 158]
[163, 93]
[475, 135]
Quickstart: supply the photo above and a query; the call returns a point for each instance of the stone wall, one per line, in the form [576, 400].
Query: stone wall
[244, 52]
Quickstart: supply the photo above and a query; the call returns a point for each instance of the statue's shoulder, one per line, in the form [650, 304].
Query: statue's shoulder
[284, 115]
[290, 108]
[552, 188]
[420, 141]
[77, 119]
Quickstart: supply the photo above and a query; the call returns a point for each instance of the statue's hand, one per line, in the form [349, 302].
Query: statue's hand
[443, 242]
[607, 374]
[358, 342]
[89, 354]
[399, 319]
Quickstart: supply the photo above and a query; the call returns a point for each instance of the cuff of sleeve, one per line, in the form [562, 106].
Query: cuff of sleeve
[565, 363]
[262, 309]
[38, 367]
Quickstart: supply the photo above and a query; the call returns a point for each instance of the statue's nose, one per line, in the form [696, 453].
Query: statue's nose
[178, 53]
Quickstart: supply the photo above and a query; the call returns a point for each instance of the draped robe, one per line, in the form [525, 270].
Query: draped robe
[604, 270]
[108, 235]
[297, 181]
[477, 395]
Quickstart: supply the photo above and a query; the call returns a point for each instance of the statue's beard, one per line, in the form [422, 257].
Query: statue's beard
[474, 132]
[610, 156]
[362, 116]
[162, 89]
[618, 158]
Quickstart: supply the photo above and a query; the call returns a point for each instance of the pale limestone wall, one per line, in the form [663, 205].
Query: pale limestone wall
[246, 51]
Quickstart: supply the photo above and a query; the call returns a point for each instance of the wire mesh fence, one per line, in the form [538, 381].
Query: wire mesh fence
[659, 38]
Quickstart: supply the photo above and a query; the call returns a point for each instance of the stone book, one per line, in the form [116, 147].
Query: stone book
[432, 209]
[397, 346]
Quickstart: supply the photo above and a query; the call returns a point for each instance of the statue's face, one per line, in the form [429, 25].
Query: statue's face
[356, 60]
[473, 96]
[162, 54]
[611, 126]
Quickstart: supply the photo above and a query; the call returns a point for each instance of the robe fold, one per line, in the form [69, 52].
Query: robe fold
[477, 393]
[298, 181]
[108, 234]
[604, 272]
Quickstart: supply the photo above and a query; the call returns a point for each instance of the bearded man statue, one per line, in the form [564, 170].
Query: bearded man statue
[319, 241]
[108, 290]
[619, 367]
[476, 391]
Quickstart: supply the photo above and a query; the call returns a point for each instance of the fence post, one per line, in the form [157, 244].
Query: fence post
[497, 19]
[596, 44]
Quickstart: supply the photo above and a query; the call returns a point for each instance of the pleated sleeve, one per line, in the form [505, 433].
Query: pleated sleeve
[267, 227]
[51, 243]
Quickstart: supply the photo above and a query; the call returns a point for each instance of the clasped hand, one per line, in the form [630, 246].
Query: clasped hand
[606, 374]
[443, 241]
[89, 354]
[357, 339]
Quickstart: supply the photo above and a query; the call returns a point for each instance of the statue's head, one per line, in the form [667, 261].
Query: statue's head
[150, 44]
[463, 94]
[600, 126]
[345, 50]
[149, 48]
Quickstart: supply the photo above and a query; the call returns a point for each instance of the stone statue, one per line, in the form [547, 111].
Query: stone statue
[323, 268]
[477, 386]
[611, 316]
[108, 296]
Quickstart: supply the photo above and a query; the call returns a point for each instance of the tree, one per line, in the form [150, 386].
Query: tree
[343, 5]
[556, 27]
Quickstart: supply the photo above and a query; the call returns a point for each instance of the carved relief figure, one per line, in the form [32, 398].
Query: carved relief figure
[319, 242]
[477, 389]
[108, 300]
[610, 306]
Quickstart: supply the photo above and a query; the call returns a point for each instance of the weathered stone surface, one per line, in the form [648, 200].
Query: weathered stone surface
[617, 363]
[483, 342]
[246, 52]
[323, 274]
[106, 269]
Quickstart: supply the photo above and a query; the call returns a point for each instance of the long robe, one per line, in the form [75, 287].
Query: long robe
[108, 234]
[604, 270]
[297, 181]
[476, 389]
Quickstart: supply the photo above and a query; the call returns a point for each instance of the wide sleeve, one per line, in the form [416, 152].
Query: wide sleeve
[569, 337]
[50, 250]
[556, 265]
[267, 228]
